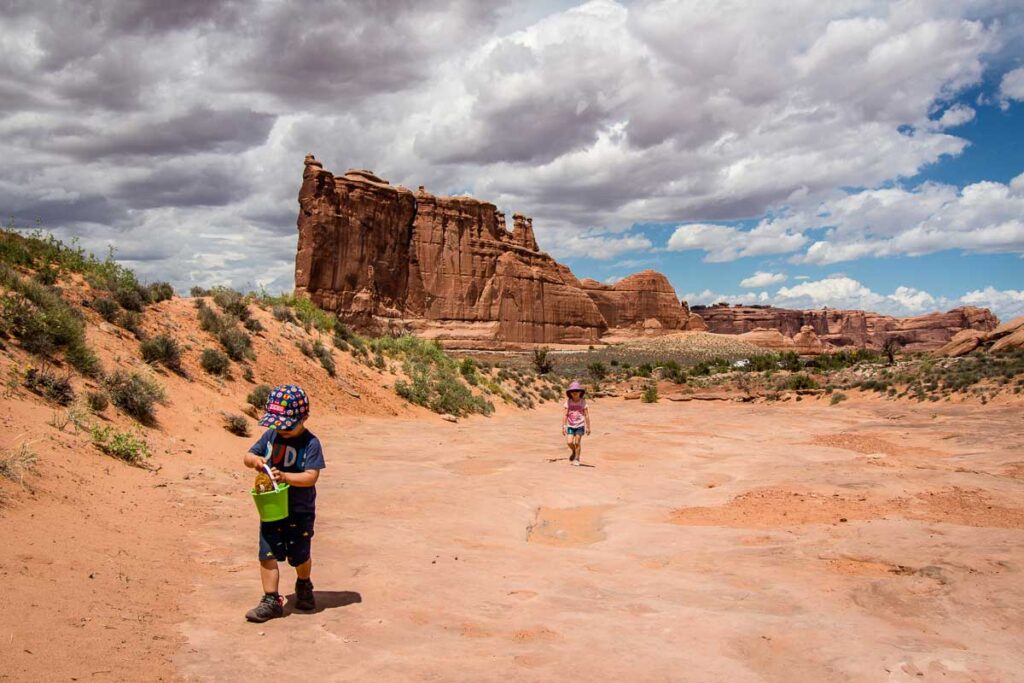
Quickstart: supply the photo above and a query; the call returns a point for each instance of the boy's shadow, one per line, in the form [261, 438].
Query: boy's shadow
[582, 464]
[324, 600]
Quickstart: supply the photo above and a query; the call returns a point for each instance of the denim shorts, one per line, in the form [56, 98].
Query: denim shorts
[576, 431]
[289, 539]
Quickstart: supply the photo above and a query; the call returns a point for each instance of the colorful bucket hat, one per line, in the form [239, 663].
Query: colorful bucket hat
[576, 386]
[287, 405]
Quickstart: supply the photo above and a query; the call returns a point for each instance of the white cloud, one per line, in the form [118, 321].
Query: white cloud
[841, 291]
[589, 117]
[957, 115]
[1008, 303]
[763, 279]
[1012, 86]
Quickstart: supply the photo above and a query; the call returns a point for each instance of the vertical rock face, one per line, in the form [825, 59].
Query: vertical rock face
[444, 266]
[849, 328]
[637, 298]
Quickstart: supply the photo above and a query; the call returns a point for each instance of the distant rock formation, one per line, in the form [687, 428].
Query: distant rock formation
[446, 267]
[838, 328]
[1007, 337]
[385, 258]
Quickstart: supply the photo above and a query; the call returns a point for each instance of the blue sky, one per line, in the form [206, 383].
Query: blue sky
[845, 153]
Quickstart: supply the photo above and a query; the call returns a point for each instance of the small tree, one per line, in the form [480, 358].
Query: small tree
[540, 361]
[890, 348]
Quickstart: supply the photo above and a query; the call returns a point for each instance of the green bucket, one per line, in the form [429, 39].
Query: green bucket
[272, 505]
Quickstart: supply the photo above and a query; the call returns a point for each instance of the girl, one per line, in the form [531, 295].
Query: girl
[575, 421]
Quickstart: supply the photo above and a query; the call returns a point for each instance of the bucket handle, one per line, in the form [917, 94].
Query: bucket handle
[266, 468]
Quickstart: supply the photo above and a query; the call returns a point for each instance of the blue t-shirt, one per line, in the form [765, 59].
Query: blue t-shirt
[297, 454]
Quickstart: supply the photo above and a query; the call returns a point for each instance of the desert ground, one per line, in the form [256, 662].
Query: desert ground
[702, 541]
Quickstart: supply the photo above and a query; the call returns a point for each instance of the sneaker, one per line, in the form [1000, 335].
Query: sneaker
[576, 462]
[304, 600]
[270, 607]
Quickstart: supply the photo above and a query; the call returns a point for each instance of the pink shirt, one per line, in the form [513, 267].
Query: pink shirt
[574, 412]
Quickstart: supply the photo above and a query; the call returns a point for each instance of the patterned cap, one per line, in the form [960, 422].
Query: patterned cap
[287, 405]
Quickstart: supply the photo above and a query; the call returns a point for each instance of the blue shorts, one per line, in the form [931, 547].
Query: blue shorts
[576, 431]
[289, 539]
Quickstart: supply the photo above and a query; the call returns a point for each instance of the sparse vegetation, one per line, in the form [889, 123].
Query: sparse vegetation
[215, 362]
[131, 321]
[323, 354]
[17, 462]
[837, 398]
[135, 394]
[541, 363]
[107, 308]
[160, 291]
[131, 447]
[798, 381]
[237, 344]
[236, 424]
[97, 401]
[163, 349]
[49, 385]
[257, 398]
[287, 307]
[650, 394]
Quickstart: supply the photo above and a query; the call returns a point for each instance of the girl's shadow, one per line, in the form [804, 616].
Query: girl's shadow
[324, 600]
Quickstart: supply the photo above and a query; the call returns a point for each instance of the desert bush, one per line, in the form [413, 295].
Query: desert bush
[214, 362]
[135, 394]
[650, 394]
[541, 363]
[837, 397]
[43, 322]
[797, 382]
[450, 396]
[107, 308]
[131, 297]
[164, 350]
[283, 313]
[257, 398]
[236, 424]
[160, 291]
[323, 354]
[209, 320]
[15, 463]
[248, 375]
[597, 370]
[790, 360]
[131, 321]
[49, 385]
[131, 447]
[253, 325]
[890, 348]
[231, 301]
[305, 348]
[237, 344]
[97, 401]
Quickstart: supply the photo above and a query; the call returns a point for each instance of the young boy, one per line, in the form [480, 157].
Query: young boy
[575, 421]
[296, 458]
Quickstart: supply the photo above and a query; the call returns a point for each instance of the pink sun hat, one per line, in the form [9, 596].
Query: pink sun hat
[576, 386]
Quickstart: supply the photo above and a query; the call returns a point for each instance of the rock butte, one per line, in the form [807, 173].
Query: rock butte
[385, 258]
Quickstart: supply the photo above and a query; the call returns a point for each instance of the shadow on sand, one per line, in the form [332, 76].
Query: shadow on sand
[324, 600]
[566, 459]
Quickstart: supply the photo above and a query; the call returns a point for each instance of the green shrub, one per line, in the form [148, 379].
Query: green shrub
[56, 388]
[798, 381]
[209, 320]
[97, 401]
[257, 398]
[650, 394]
[323, 354]
[43, 322]
[160, 291]
[231, 302]
[597, 370]
[136, 394]
[247, 375]
[131, 321]
[131, 297]
[237, 344]
[163, 349]
[790, 360]
[130, 447]
[107, 308]
[197, 292]
[236, 424]
[283, 313]
[837, 398]
[541, 363]
[253, 325]
[215, 362]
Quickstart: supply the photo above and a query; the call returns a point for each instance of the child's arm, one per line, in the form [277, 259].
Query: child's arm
[586, 418]
[565, 417]
[253, 461]
[299, 479]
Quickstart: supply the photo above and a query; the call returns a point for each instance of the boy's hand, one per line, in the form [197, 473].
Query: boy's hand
[278, 475]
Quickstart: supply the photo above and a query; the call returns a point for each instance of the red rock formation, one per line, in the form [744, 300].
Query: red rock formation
[445, 266]
[635, 299]
[849, 328]
[1007, 337]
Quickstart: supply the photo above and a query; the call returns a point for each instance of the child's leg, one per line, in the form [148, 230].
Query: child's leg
[270, 576]
[579, 445]
[570, 441]
[304, 570]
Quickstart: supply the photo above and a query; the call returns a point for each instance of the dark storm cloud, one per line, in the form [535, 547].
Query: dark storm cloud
[185, 184]
[199, 130]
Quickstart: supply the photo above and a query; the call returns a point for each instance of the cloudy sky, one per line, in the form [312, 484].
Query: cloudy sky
[848, 153]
